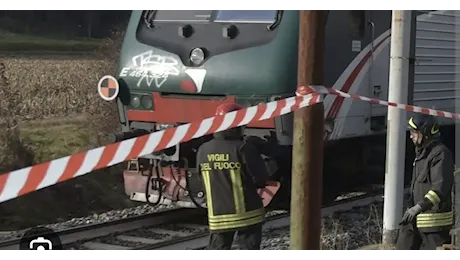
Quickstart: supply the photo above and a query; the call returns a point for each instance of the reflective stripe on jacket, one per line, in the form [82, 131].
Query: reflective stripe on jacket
[231, 192]
[432, 183]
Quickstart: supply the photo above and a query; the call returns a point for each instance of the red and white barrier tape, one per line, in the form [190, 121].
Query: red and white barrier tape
[23, 181]
[26, 180]
[422, 110]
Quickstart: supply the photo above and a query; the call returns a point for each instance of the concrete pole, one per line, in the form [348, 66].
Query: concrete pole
[307, 149]
[396, 129]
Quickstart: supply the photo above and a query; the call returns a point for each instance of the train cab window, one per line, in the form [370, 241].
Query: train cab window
[215, 16]
[183, 16]
[242, 16]
[357, 22]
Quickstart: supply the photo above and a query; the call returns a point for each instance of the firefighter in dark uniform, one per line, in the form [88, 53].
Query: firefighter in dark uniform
[232, 171]
[427, 222]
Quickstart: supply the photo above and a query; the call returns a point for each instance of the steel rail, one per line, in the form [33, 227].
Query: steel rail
[86, 232]
[200, 240]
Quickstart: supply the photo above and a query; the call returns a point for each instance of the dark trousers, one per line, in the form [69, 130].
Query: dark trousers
[248, 239]
[410, 238]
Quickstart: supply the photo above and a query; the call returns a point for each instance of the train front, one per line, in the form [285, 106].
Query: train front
[179, 66]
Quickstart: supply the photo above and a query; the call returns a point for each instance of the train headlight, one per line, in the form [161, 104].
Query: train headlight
[146, 102]
[197, 56]
[135, 101]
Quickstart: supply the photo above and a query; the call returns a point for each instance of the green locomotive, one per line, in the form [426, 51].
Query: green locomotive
[178, 66]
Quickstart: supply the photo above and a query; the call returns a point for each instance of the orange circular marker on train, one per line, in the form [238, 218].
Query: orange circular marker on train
[108, 88]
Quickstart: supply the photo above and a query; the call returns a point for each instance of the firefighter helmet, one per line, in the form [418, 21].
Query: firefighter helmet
[227, 108]
[426, 124]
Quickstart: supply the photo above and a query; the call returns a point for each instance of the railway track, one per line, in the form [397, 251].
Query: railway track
[200, 241]
[93, 231]
[172, 229]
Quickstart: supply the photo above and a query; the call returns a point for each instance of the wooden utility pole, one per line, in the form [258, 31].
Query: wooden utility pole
[307, 149]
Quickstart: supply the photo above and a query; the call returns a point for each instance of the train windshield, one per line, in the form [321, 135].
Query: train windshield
[216, 16]
[241, 16]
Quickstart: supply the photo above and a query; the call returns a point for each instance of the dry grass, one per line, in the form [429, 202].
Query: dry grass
[50, 139]
[18, 42]
[13, 153]
[50, 88]
[49, 109]
[345, 233]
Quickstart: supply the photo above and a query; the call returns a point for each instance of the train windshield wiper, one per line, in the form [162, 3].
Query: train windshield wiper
[149, 17]
[279, 16]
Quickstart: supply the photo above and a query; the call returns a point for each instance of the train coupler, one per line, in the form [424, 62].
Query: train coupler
[163, 183]
[174, 184]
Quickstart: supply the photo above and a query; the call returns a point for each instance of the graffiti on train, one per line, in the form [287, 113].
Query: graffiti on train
[151, 69]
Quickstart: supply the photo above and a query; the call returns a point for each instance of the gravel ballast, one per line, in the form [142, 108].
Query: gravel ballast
[346, 230]
[341, 231]
[94, 219]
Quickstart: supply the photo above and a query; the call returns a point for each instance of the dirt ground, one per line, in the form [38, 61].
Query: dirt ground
[50, 108]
